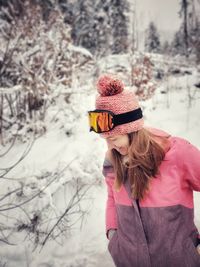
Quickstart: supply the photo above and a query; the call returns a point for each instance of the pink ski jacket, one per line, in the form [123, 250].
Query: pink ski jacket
[158, 231]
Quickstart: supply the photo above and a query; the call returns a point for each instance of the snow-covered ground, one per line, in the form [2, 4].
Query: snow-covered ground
[87, 246]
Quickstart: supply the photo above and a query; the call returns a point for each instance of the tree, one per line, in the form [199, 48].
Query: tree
[187, 38]
[184, 13]
[166, 48]
[195, 40]
[82, 24]
[100, 26]
[119, 25]
[152, 40]
[178, 44]
[194, 28]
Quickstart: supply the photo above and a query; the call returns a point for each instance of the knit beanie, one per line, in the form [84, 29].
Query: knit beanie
[114, 97]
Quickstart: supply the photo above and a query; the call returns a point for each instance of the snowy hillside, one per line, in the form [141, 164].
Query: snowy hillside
[56, 159]
[52, 190]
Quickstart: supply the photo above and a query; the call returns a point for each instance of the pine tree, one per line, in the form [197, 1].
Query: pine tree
[102, 28]
[152, 40]
[187, 39]
[82, 26]
[177, 45]
[184, 13]
[119, 25]
[98, 25]
[166, 48]
[195, 40]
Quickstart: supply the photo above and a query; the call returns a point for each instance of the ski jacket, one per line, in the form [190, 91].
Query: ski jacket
[159, 230]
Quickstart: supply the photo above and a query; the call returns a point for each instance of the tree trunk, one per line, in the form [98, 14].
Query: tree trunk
[185, 11]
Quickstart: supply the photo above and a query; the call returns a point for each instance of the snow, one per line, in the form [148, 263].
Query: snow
[81, 155]
[8, 90]
[80, 50]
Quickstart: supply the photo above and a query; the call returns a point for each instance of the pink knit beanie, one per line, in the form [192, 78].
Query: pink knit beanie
[115, 98]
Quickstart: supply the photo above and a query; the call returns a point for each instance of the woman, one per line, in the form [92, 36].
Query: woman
[150, 177]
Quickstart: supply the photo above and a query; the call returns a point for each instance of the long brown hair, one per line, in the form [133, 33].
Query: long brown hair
[144, 158]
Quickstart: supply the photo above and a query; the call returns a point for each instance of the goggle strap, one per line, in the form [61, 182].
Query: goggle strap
[127, 117]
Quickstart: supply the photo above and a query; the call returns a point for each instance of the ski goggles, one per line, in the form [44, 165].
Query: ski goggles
[101, 121]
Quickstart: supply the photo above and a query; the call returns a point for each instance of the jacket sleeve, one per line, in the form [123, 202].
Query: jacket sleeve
[191, 165]
[110, 214]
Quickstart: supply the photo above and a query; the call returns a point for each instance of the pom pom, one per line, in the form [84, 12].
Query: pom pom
[108, 85]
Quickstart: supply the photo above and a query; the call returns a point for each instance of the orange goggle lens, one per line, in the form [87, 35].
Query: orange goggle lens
[100, 121]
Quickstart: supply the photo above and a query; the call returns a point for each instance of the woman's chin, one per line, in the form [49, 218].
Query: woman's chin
[124, 154]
